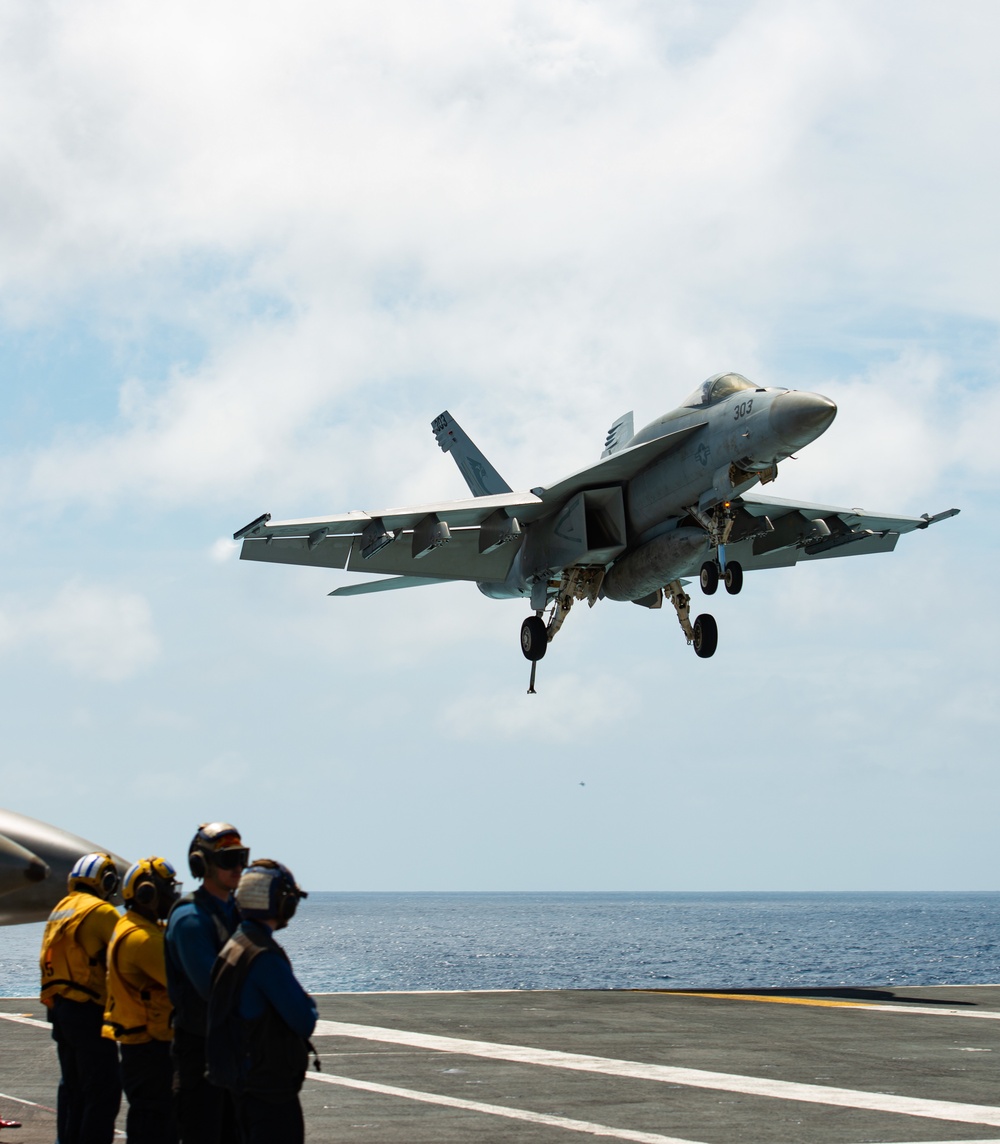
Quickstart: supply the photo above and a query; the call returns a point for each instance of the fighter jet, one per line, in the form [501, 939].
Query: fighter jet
[35, 860]
[671, 501]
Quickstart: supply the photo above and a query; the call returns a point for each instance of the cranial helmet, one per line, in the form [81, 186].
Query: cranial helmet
[268, 890]
[216, 844]
[95, 873]
[151, 884]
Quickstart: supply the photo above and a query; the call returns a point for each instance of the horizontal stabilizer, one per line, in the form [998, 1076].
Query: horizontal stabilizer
[483, 480]
[388, 585]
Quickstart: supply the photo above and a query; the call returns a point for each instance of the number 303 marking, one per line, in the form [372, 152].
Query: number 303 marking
[742, 409]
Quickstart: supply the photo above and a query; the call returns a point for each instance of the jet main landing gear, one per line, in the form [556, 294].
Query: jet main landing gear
[578, 583]
[703, 634]
[534, 638]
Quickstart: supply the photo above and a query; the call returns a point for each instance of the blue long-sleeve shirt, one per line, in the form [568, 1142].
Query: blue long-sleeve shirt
[193, 940]
[271, 981]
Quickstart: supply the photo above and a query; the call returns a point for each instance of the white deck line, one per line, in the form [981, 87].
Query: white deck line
[696, 1078]
[500, 1110]
[17, 1019]
[670, 1074]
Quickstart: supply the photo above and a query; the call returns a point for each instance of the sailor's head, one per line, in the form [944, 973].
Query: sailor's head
[94, 873]
[150, 887]
[269, 893]
[217, 854]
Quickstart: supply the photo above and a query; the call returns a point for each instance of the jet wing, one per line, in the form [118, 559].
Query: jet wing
[801, 530]
[473, 543]
[410, 542]
[458, 513]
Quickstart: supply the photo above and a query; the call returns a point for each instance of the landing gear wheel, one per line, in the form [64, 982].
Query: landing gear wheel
[734, 578]
[709, 577]
[706, 636]
[534, 638]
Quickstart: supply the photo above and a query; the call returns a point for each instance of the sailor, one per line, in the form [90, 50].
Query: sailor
[138, 1011]
[74, 989]
[259, 1016]
[200, 924]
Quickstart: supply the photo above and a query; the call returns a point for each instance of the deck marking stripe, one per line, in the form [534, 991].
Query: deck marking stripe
[671, 1074]
[19, 1020]
[500, 1110]
[21, 1100]
[819, 1002]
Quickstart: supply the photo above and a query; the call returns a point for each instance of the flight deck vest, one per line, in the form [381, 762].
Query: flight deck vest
[134, 1014]
[263, 1056]
[67, 971]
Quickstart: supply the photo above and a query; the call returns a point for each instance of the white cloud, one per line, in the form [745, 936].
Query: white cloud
[95, 632]
[352, 216]
[567, 707]
[223, 550]
[527, 211]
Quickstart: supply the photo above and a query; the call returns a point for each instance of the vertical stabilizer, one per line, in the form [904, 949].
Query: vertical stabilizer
[619, 434]
[483, 480]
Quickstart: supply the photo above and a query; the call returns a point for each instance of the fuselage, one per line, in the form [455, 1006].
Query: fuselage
[732, 435]
[35, 861]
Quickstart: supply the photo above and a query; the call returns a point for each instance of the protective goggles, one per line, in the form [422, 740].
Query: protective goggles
[230, 859]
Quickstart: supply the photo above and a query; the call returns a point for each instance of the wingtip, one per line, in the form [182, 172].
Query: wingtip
[252, 526]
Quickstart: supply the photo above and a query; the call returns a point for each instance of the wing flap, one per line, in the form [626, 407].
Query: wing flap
[332, 552]
[790, 556]
[459, 559]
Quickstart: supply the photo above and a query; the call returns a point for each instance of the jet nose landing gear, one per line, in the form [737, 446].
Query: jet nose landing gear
[711, 575]
[733, 577]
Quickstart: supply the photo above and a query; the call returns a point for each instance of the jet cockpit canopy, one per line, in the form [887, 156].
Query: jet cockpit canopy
[717, 388]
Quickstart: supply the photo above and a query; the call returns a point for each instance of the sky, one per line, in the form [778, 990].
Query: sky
[247, 256]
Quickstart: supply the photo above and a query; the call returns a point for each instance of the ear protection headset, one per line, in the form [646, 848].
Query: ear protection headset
[213, 838]
[150, 882]
[145, 893]
[268, 890]
[95, 872]
[288, 900]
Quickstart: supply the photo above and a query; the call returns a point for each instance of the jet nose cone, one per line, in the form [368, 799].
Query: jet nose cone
[798, 418]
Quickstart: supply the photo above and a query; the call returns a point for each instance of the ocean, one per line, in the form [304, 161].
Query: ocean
[366, 942]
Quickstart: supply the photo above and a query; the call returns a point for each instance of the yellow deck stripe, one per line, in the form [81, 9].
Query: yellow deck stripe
[819, 1002]
[906, 1007]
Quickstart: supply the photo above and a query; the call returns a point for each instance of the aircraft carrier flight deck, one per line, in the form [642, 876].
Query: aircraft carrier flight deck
[828, 1066]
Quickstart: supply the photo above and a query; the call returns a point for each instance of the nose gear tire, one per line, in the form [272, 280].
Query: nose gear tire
[734, 578]
[709, 577]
